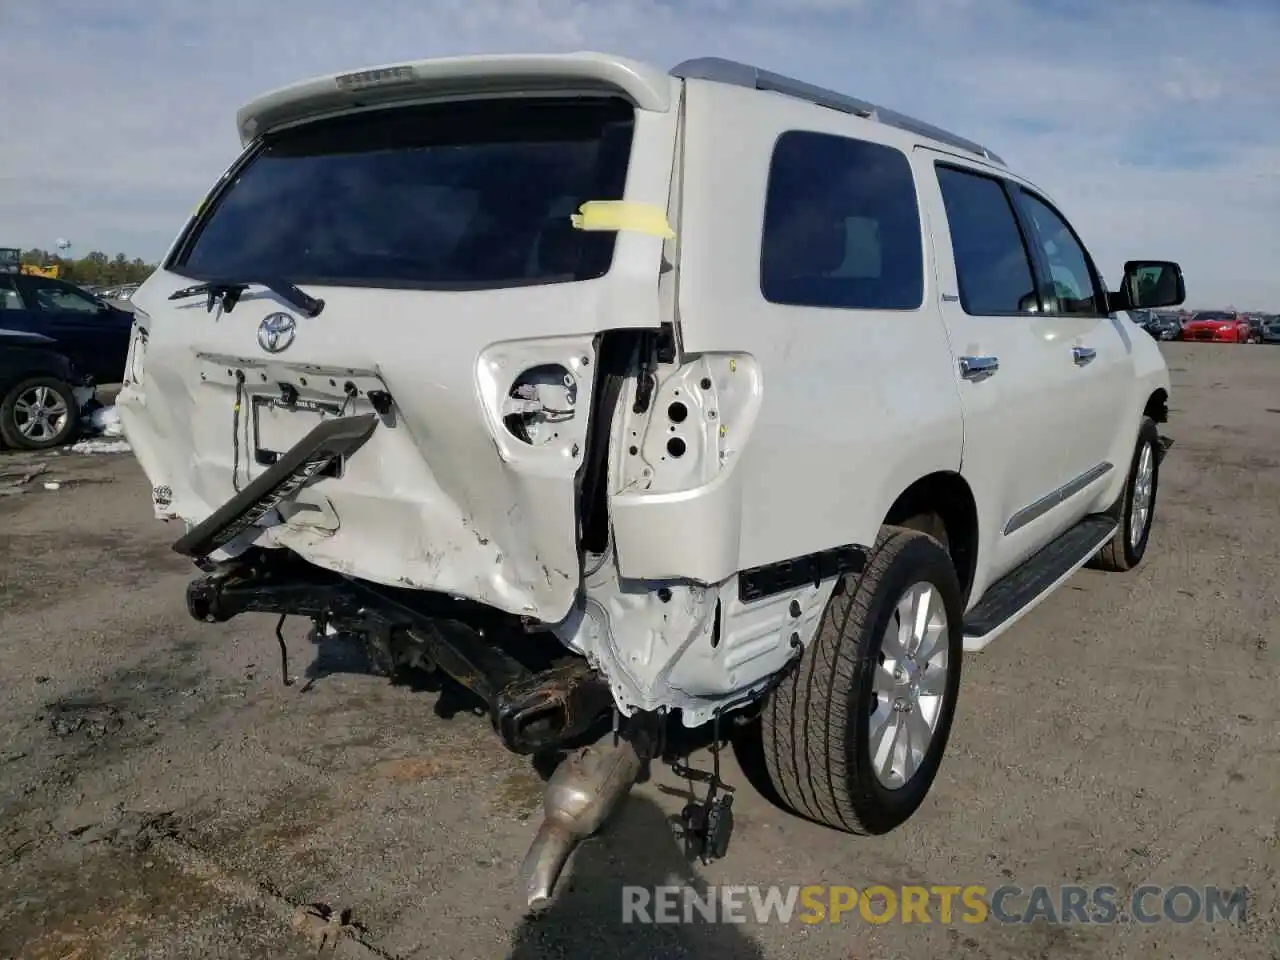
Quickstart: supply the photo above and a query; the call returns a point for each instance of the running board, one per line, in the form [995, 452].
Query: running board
[1020, 590]
[330, 440]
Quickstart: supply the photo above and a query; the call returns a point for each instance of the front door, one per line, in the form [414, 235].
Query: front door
[1095, 354]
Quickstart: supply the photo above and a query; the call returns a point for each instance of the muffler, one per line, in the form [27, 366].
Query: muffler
[579, 798]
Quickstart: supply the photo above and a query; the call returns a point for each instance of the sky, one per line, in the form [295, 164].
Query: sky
[1155, 124]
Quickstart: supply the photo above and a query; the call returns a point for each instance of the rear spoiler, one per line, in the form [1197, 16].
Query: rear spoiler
[447, 77]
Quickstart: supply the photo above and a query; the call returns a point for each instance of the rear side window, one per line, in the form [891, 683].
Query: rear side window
[462, 195]
[52, 296]
[992, 264]
[9, 297]
[841, 226]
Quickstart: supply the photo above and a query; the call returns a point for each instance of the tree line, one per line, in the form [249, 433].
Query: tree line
[94, 268]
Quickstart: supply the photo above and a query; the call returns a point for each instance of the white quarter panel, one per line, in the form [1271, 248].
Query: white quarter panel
[855, 405]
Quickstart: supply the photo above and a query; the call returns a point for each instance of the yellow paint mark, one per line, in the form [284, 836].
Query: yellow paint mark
[622, 215]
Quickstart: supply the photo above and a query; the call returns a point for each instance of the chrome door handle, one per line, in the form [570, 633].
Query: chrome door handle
[1082, 355]
[978, 368]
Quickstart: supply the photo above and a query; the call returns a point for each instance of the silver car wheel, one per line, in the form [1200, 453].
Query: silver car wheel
[909, 685]
[40, 414]
[1143, 488]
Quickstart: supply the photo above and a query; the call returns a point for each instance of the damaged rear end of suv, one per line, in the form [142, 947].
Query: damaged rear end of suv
[418, 451]
[636, 400]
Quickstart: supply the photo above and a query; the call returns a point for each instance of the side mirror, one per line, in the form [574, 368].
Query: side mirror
[1149, 284]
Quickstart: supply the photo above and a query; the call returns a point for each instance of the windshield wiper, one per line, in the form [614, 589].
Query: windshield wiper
[228, 294]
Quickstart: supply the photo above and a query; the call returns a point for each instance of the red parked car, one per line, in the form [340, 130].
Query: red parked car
[1217, 326]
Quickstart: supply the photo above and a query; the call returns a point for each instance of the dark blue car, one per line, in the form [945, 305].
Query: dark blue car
[54, 339]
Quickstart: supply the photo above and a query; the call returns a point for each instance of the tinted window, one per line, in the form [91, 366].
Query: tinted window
[1216, 315]
[9, 298]
[992, 266]
[1069, 287]
[841, 226]
[459, 195]
[51, 295]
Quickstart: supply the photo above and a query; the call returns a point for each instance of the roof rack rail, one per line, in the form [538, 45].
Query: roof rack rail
[720, 70]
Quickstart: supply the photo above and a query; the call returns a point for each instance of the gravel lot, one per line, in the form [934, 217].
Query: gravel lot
[162, 795]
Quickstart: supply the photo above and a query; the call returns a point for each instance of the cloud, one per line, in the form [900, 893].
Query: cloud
[1152, 122]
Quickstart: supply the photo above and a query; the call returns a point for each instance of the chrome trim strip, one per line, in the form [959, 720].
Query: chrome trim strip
[1046, 503]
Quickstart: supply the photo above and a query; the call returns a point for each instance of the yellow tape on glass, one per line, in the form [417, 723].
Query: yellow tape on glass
[619, 215]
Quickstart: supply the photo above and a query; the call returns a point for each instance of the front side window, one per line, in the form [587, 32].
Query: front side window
[841, 226]
[44, 295]
[462, 195]
[993, 267]
[1069, 288]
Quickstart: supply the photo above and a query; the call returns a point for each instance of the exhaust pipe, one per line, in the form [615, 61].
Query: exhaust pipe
[548, 708]
[579, 798]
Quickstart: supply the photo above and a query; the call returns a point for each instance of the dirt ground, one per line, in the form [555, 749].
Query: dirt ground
[163, 795]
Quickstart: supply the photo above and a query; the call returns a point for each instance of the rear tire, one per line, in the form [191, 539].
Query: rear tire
[929, 523]
[1126, 548]
[38, 413]
[820, 728]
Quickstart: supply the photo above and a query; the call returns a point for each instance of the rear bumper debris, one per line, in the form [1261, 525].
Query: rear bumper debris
[330, 441]
[531, 709]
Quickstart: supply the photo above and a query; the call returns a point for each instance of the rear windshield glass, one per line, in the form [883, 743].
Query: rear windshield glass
[456, 196]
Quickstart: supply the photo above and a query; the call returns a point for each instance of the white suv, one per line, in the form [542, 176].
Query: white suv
[754, 398]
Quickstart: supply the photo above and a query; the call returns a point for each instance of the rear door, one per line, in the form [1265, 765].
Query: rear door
[1017, 384]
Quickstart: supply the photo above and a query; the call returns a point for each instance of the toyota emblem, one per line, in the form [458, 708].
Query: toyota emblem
[276, 332]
